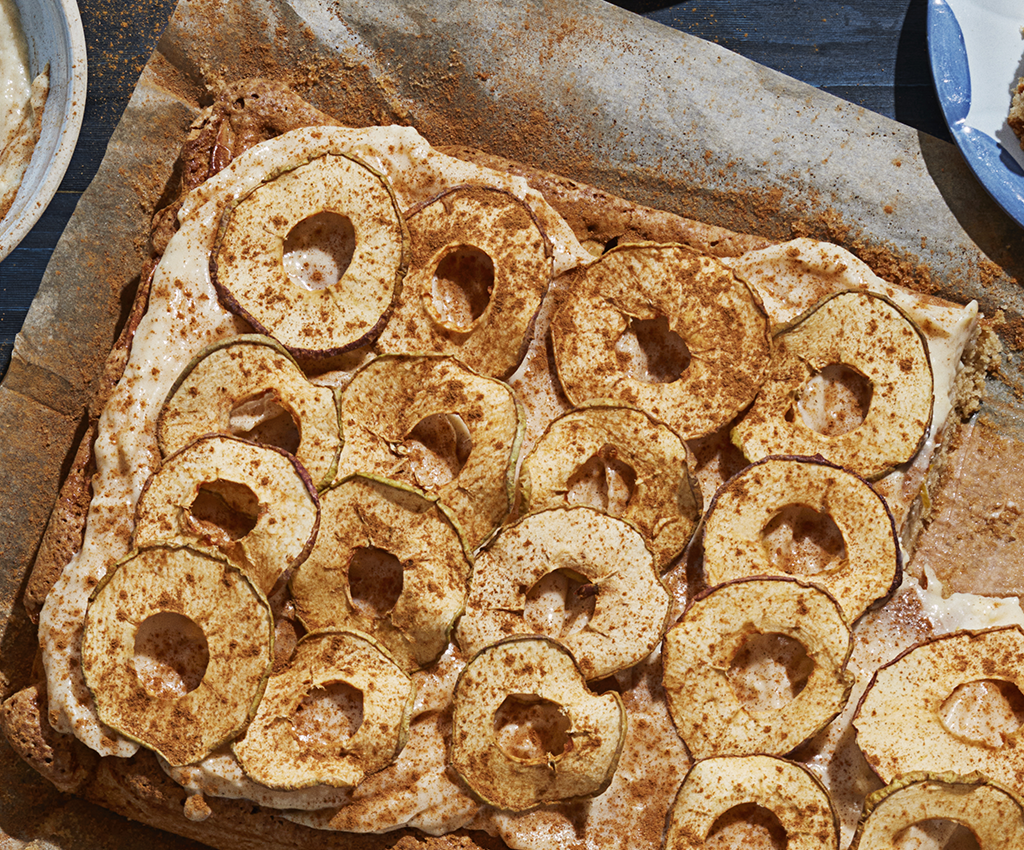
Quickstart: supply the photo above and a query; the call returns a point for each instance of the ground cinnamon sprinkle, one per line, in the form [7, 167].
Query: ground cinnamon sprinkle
[1012, 332]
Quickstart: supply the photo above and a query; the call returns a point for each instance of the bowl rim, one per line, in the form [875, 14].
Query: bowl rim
[25, 212]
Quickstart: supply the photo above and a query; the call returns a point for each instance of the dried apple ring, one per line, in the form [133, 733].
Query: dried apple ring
[480, 265]
[685, 302]
[254, 503]
[992, 813]
[388, 562]
[432, 422]
[871, 340]
[700, 650]
[580, 733]
[194, 605]
[605, 558]
[786, 492]
[249, 386]
[787, 790]
[314, 256]
[901, 727]
[338, 712]
[658, 494]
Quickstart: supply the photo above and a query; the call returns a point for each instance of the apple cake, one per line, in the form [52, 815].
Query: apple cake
[440, 501]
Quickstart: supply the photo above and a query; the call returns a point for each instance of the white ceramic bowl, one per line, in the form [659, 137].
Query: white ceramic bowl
[53, 29]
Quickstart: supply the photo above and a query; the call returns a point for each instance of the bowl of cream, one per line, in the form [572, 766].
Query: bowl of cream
[42, 100]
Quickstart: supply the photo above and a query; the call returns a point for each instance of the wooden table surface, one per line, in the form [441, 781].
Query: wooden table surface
[870, 52]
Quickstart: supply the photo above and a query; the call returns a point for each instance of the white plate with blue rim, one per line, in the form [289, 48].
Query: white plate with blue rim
[977, 56]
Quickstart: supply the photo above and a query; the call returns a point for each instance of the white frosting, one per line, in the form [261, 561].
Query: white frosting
[965, 611]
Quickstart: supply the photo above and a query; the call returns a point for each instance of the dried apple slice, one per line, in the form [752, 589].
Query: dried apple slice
[790, 793]
[249, 386]
[872, 345]
[901, 723]
[432, 422]
[700, 651]
[314, 256]
[992, 812]
[621, 461]
[480, 266]
[338, 712]
[389, 562]
[254, 503]
[526, 730]
[758, 525]
[691, 304]
[613, 618]
[151, 624]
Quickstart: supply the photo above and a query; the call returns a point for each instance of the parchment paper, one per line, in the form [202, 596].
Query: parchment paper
[574, 86]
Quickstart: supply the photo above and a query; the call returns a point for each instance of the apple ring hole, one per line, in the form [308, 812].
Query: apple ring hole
[461, 287]
[531, 729]
[328, 716]
[986, 712]
[747, 825]
[437, 449]
[603, 482]
[319, 249]
[224, 511]
[768, 671]
[375, 581]
[650, 351]
[560, 604]
[936, 834]
[801, 541]
[834, 401]
[171, 655]
[261, 419]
